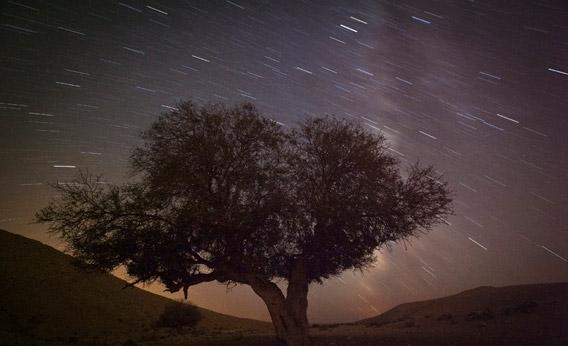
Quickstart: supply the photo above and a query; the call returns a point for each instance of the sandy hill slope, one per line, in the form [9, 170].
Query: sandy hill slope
[526, 312]
[47, 299]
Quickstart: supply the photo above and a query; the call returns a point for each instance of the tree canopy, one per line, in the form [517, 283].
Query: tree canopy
[224, 194]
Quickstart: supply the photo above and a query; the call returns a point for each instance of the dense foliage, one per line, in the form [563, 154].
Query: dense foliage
[226, 194]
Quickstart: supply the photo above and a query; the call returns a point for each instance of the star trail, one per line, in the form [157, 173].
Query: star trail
[479, 89]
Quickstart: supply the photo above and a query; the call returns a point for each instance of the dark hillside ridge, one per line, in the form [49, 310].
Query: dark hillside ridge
[537, 311]
[43, 295]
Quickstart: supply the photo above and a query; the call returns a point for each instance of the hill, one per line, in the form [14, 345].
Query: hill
[44, 298]
[527, 314]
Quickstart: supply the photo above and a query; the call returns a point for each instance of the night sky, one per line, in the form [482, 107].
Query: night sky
[477, 88]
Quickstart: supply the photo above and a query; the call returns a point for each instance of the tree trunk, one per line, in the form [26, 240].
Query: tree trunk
[290, 324]
[289, 314]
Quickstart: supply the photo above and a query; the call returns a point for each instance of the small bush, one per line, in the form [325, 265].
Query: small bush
[325, 326]
[179, 315]
[377, 324]
[201, 332]
[524, 307]
[409, 324]
[484, 315]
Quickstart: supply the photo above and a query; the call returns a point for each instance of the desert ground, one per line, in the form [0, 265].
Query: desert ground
[46, 299]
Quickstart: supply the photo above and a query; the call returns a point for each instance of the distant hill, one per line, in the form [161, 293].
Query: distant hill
[532, 314]
[45, 298]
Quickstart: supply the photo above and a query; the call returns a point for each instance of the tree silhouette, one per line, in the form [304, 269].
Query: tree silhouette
[223, 194]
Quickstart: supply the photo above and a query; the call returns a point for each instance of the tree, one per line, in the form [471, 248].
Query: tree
[224, 194]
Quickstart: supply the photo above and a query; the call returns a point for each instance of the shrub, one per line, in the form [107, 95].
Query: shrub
[179, 315]
[409, 324]
[484, 315]
[325, 326]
